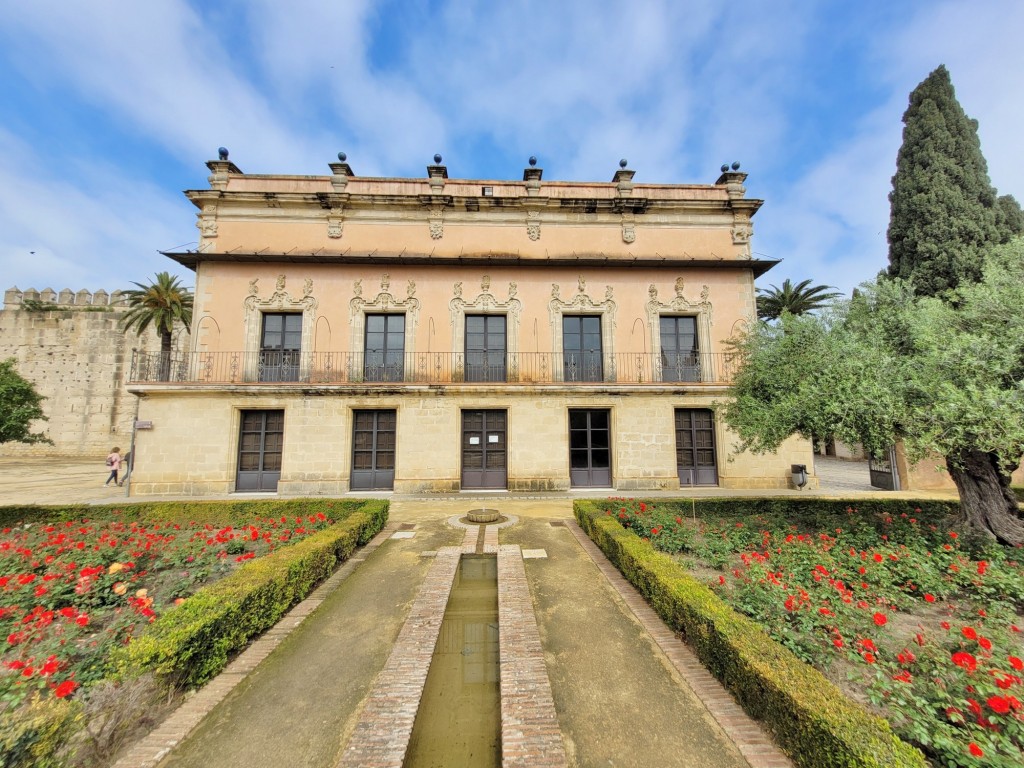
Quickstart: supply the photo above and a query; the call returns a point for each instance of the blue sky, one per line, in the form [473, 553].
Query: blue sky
[110, 109]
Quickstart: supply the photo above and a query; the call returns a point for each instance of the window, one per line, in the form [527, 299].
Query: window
[581, 348]
[485, 348]
[679, 355]
[280, 346]
[384, 358]
[373, 450]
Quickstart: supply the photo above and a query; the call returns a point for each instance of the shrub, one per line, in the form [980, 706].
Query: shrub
[190, 644]
[809, 716]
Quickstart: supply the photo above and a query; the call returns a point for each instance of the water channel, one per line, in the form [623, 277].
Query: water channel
[458, 723]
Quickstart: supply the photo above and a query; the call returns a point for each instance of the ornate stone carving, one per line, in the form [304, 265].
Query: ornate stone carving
[486, 303]
[384, 301]
[208, 221]
[680, 305]
[582, 303]
[628, 232]
[335, 224]
[280, 300]
[457, 290]
[533, 225]
[741, 233]
[410, 289]
[357, 288]
[437, 222]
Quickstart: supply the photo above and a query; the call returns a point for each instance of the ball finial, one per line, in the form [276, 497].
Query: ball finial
[725, 167]
[623, 163]
[222, 153]
[342, 157]
[437, 159]
[533, 160]
[736, 166]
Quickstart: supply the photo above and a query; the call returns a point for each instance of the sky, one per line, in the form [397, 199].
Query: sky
[108, 110]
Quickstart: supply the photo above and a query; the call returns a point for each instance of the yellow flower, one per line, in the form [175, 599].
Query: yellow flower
[115, 568]
[120, 588]
[141, 592]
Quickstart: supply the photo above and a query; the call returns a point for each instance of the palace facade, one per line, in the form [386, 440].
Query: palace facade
[440, 335]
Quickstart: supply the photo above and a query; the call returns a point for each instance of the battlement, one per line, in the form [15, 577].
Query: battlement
[66, 299]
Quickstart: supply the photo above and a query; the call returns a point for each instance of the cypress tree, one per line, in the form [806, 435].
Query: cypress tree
[944, 212]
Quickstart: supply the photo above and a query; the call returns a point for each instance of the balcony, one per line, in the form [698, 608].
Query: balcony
[349, 369]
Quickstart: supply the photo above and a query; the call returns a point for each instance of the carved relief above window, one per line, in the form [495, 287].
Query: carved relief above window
[628, 228]
[437, 222]
[279, 301]
[583, 304]
[335, 225]
[383, 303]
[533, 225]
[485, 303]
[680, 305]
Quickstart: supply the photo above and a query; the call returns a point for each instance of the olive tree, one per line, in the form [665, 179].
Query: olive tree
[944, 377]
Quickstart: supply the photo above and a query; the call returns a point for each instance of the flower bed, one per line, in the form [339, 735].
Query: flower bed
[78, 594]
[894, 606]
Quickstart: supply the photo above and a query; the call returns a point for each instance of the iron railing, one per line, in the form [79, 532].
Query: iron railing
[430, 368]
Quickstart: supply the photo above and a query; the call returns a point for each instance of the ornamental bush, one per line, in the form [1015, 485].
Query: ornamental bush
[810, 718]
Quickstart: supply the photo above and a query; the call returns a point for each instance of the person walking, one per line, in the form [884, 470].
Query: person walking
[114, 463]
[126, 462]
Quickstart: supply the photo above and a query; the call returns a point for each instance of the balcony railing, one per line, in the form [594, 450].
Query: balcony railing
[329, 368]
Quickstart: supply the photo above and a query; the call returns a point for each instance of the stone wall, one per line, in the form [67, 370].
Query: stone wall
[70, 346]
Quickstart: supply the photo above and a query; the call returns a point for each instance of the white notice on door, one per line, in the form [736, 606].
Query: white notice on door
[474, 441]
[492, 438]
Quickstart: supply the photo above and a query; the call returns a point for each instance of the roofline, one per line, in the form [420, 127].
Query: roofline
[192, 259]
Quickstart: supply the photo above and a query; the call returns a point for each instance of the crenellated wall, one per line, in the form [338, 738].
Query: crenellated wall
[70, 346]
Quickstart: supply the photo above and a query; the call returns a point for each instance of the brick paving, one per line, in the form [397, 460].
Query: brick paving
[530, 734]
[754, 744]
[382, 733]
[149, 751]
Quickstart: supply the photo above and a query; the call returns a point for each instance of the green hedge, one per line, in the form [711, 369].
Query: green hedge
[219, 512]
[190, 644]
[811, 719]
[812, 511]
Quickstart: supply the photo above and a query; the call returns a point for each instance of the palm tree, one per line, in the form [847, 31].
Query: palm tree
[161, 304]
[796, 299]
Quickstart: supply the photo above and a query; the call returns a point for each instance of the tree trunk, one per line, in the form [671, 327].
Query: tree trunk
[989, 505]
[165, 356]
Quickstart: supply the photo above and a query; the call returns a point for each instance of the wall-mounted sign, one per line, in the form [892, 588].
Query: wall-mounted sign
[492, 438]
[474, 441]
[143, 424]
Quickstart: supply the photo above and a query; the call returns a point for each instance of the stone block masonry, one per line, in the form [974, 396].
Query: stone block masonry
[70, 346]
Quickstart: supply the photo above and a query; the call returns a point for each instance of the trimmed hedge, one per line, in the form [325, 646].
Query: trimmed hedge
[811, 719]
[218, 512]
[190, 644]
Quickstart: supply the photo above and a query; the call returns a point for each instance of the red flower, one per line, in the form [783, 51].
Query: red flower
[998, 704]
[1016, 663]
[969, 633]
[65, 688]
[878, 558]
[903, 677]
[837, 642]
[976, 750]
[721, 579]
[880, 619]
[982, 567]
[929, 597]
[965, 660]
[869, 658]
[944, 625]
[985, 643]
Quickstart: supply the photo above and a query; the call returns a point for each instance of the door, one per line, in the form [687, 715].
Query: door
[280, 346]
[581, 348]
[695, 447]
[484, 451]
[259, 451]
[485, 348]
[590, 453]
[373, 450]
[679, 359]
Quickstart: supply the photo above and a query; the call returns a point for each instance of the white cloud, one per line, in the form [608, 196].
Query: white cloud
[103, 236]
